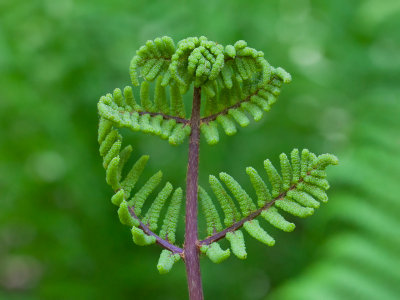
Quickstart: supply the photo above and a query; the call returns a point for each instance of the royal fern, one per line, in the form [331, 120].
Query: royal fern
[237, 83]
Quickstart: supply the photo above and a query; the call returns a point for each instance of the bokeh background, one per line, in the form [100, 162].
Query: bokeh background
[60, 237]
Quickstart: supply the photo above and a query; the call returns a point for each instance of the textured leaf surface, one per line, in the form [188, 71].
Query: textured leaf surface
[298, 190]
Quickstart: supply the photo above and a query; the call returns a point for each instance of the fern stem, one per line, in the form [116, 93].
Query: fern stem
[191, 251]
[166, 117]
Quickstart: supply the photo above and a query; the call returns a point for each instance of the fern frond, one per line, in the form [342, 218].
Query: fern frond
[226, 202]
[298, 190]
[238, 84]
[129, 208]
[168, 228]
[213, 221]
[210, 132]
[133, 176]
[257, 232]
[177, 105]
[215, 253]
[140, 238]
[125, 216]
[149, 117]
[140, 197]
[154, 211]
[248, 96]
[153, 59]
[198, 60]
[245, 202]
[166, 261]
[227, 124]
[238, 246]
[235, 70]
[273, 217]
[263, 194]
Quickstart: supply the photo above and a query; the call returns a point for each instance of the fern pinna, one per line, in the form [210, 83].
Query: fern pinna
[230, 84]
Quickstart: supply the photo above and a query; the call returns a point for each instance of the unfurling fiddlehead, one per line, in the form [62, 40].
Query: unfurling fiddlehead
[237, 82]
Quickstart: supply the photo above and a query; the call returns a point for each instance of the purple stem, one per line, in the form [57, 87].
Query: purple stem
[191, 251]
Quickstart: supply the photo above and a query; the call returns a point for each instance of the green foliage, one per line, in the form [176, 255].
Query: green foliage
[142, 117]
[236, 239]
[210, 212]
[215, 253]
[140, 238]
[171, 217]
[359, 261]
[166, 261]
[236, 79]
[297, 196]
[114, 161]
[231, 78]
[154, 59]
[55, 55]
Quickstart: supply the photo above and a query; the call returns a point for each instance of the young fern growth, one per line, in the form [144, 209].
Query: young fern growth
[298, 192]
[237, 83]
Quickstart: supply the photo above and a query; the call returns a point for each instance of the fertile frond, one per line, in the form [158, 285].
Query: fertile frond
[198, 60]
[210, 212]
[238, 246]
[215, 253]
[153, 58]
[245, 202]
[273, 217]
[237, 83]
[166, 261]
[130, 207]
[150, 117]
[246, 91]
[140, 238]
[226, 202]
[168, 228]
[298, 190]
[154, 211]
[257, 232]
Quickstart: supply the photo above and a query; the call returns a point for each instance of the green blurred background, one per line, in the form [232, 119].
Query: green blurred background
[59, 234]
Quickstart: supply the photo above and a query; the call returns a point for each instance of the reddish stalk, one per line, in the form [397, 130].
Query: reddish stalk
[191, 251]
